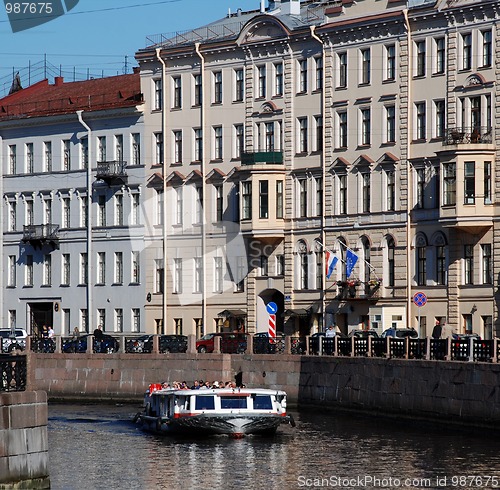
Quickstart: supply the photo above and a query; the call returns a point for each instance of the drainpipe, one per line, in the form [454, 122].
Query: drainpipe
[203, 192]
[409, 177]
[323, 177]
[164, 171]
[89, 223]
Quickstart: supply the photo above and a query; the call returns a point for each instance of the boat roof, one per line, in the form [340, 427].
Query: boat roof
[220, 392]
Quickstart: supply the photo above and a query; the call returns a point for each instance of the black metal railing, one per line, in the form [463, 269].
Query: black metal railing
[252, 158]
[40, 232]
[115, 168]
[12, 372]
[468, 135]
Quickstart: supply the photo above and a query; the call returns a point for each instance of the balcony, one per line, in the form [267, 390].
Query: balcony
[40, 235]
[113, 173]
[262, 157]
[357, 290]
[468, 136]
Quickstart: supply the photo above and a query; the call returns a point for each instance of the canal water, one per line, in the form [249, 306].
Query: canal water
[98, 447]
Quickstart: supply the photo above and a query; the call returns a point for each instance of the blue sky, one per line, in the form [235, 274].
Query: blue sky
[97, 35]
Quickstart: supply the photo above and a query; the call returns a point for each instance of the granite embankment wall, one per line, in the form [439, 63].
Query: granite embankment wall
[24, 457]
[461, 392]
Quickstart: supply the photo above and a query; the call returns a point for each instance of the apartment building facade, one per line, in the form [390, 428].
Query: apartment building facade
[72, 221]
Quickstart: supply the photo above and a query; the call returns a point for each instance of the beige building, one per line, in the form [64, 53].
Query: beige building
[363, 128]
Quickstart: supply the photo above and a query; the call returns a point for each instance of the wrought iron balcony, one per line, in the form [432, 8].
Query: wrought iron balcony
[265, 157]
[468, 136]
[113, 173]
[39, 235]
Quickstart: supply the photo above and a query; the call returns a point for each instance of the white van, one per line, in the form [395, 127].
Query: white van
[10, 342]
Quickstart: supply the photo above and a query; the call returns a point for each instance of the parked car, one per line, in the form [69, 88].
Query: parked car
[400, 333]
[173, 343]
[263, 344]
[465, 336]
[13, 340]
[230, 343]
[363, 334]
[107, 345]
[141, 344]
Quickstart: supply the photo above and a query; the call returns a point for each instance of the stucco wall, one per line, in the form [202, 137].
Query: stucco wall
[464, 392]
[23, 440]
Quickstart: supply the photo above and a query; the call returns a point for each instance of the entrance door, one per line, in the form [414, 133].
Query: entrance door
[40, 314]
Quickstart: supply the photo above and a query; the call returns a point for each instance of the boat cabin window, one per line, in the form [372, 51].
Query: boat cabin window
[205, 403]
[233, 402]
[262, 402]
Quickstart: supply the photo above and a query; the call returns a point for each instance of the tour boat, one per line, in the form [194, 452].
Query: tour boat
[230, 411]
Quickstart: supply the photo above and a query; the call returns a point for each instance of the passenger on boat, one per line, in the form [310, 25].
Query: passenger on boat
[196, 385]
[165, 385]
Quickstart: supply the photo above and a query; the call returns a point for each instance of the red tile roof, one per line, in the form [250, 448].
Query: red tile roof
[42, 99]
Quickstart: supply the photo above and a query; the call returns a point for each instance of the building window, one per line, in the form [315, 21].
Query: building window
[319, 196]
[158, 148]
[240, 275]
[198, 90]
[487, 264]
[66, 270]
[84, 211]
[303, 144]
[487, 48]
[119, 147]
[217, 77]
[66, 155]
[66, 212]
[136, 320]
[12, 215]
[84, 320]
[280, 265]
[179, 205]
[198, 144]
[119, 209]
[441, 264]
[278, 80]
[390, 51]
[219, 202]
[47, 211]
[390, 113]
[421, 117]
[47, 270]
[136, 271]
[11, 281]
[302, 198]
[440, 49]
[319, 132]
[270, 136]
[118, 320]
[198, 275]
[177, 146]
[101, 202]
[101, 268]
[466, 51]
[136, 209]
[159, 206]
[66, 323]
[239, 140]
[177, 84]
[118, 267]
[468, 264]
[391, 190]
[342, 62]
[101, 148]
[487, 183]
[30, 216]
[365, 126]
[12, 319]
[30, 158]
[218, 275]
[240, 85]
[391, 262]
[366, 180]
[279, 199]
[319, 270]
[84, 152]
[246, 194]
[449, 183]
[421, 58]
[263, 199]
[178, 327]
[218, 142]
[261, 70]
[470, 182]
[28, 278]
[319, 72]
[198, 205]
[264, 266]
[47, 160]
[342, 118]
[420, 173]
[136, 149]
[158, 100]
[440, 118]
[177, 279]
[159, 275]
[342, 193]
[365, 66]
[421, 264]
[302, 76]
[304, 270]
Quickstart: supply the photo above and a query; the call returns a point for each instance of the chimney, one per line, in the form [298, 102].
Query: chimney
[290, 7]
[58, 81]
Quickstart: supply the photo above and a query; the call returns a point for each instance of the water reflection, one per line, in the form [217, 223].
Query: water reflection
[94, 447]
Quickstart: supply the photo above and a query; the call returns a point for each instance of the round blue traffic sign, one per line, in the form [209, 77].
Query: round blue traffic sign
[420, 299]
[272, 308]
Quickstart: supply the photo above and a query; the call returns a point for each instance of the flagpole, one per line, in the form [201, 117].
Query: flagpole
[365, 261]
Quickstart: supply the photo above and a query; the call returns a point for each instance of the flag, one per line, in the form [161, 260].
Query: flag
[350, 261]
[331, 261]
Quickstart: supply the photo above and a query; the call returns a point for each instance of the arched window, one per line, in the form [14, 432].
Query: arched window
[301, 265]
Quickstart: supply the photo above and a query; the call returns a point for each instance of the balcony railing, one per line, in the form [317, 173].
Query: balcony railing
[468, 136]
[112, 172]
[39, 235]
[12, 373]
[253, 158]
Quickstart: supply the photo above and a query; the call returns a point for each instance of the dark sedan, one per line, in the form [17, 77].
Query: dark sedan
[106, 345]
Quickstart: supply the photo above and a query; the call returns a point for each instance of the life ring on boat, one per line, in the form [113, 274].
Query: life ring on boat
[158, 424]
